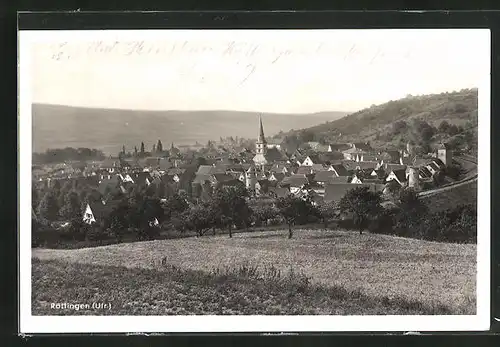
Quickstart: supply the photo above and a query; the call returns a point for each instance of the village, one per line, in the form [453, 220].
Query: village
[322, 173]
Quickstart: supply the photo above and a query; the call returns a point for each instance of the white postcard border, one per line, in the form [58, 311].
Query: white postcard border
[124, 324]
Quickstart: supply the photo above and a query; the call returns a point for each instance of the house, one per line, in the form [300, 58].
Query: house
[335, 192]
[338, 180]
[323, 177]
[277, 177]
[364, 165]
[310, 160]
[424, 173]
[338, 147]
[205, 170]
[397, 175]
[97, 211]
[378, 174]
[221, 178]
[318, 167]
[262, 187]
[295, 182]
[304, 170]
[390, 156]
[280, 168]
[433, 167]
[339, 170]
[356, 179]
[388, 168]
[110, 164]
[419, 162]
[278, 192]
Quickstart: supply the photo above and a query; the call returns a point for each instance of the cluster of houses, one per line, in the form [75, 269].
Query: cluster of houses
[322, 174]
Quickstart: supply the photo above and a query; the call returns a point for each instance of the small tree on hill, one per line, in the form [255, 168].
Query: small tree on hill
[293, 210]
[362, 204]
[327, 211]
[48, 208]
[142, 148]
[72, 208]
[412, 212]
[159, 146]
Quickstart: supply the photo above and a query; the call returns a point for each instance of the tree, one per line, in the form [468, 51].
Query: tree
[48, 208]
[135, 151]
[293, 210]
[412, 211]
[198, 218]
[230, 206]
[72, 207]
[327, 211]
[154, 149]
[362, 204]
[159, 146]
[443, 127]
[142, 148]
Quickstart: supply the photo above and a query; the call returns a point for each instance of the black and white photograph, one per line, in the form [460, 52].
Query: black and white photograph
[254, 180]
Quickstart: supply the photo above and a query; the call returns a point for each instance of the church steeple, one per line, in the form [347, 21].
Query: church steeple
[261, 138]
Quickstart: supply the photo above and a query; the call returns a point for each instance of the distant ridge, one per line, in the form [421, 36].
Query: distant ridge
[57, 126]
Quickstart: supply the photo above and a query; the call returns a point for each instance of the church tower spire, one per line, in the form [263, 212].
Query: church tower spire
[261, 138]
[260, 147]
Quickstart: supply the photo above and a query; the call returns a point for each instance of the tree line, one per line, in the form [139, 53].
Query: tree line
[60, 155]
[143, 216]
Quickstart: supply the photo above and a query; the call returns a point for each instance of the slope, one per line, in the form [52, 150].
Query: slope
[376, 123]
[108, 129]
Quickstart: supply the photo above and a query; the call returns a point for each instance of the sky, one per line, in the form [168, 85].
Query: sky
[282, 71]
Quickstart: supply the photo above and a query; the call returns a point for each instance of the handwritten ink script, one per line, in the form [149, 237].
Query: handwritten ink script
[245, 59]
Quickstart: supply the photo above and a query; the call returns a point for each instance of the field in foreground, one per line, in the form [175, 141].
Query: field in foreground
[349, 274]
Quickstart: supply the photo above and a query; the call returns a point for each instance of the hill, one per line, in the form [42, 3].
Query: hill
[396, 122]
[378, 266]
[108, 129]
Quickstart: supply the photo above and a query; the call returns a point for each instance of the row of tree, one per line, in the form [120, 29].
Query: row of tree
[61, 155]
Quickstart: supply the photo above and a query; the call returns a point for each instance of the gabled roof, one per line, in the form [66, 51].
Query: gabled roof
[424, 172]
[274, 154]
[335, 192]
[303, 170]
[279, 176]
[109, 163]
[339, 146]
[318, 167]
[205, 170]
[175, 171]
[380, 173]
[100, 210]
[391, 155]
[363, 146]
[324, 176]
[340, 169]
[400, 174]
[331, 157]
[439, 163]
[279, 192]
[363, 165]
[221, 177]
[391, 167]
[202, 178]
[295, 181]
[338, 180]
[420, 161]
[433, 165]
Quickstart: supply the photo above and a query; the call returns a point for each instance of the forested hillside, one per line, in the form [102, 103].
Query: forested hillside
[425, 120]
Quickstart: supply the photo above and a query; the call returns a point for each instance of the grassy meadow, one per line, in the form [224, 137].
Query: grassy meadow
[317, 272]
